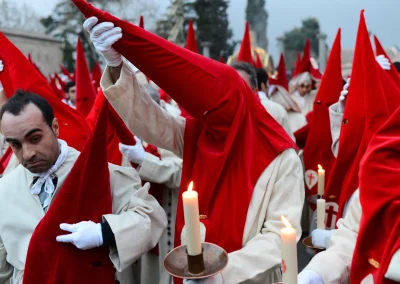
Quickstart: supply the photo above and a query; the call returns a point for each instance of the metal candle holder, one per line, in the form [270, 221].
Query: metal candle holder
[308, 243]
[181, 265]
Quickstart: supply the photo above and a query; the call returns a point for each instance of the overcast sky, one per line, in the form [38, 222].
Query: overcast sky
[382, 17]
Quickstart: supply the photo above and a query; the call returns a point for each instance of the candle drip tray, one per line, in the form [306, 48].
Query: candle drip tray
[215, 259]
[308, 243]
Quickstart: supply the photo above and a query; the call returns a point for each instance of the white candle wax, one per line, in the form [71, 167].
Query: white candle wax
[192, 222]
[289, 255]
[321, 180]
[321, 214]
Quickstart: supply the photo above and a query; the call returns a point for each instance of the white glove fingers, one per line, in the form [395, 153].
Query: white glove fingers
[108, 33]
[138, 140]
[344, 93]
[112, 39]
[68, 227]
[101, 28]
[89, 23]
[65, 238]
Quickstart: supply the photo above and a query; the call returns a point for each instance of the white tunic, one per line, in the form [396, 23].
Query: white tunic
[279, 190]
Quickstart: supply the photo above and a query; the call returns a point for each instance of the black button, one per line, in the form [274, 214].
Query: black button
[319, 102]
[169, 228]
[345, 121]
[169, 243]
[169, 204]
[169, 214]
[169, 233]
[169, 221]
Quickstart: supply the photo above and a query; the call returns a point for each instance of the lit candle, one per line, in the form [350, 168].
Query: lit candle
[192, 221]
[289, 253]
[321, 180]
[321, 214]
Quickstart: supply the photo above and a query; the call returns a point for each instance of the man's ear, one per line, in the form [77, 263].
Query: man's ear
[55, 127]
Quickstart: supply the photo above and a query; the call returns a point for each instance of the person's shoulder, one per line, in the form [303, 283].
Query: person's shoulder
[12, 177]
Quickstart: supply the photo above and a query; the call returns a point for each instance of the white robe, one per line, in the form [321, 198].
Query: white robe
[168, 172]
[138, 217]
[278, 192]
[279, 114]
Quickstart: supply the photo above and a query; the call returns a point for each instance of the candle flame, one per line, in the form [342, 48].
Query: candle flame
[286, 222]
[190, 186]
[320, 168]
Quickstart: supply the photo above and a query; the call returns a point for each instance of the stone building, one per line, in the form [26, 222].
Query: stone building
[45, 50]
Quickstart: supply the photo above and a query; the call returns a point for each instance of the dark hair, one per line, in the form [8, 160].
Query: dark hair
[21, 99]
[262, 77]
[397, 65]
[69, 85]
[246, 67]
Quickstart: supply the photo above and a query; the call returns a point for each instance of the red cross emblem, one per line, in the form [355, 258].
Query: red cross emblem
[331, 214]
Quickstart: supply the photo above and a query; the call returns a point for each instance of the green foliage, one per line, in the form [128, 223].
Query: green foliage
[295, 39]
[213, 26]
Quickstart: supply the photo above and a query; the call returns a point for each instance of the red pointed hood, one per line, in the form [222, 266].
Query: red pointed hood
[245, 52]
[18, 73]
[305, 65]
[225, 117]
[141, 22]
[393, 71]
[117, 131]
[221, 59]
[191, 42]
[85, 92]
[85, 195]
[319, 141]
[258, 61]
[281, 79]
[64, 70]
[96, 76]
[60, 82]
[59, 93]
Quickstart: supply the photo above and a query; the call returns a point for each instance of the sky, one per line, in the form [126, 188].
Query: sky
[381, 15]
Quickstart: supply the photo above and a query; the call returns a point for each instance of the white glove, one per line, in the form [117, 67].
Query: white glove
[383, 62]
[393, 272]
[1, 65]
[309, 277]
[85, 235]
[216, 279]
[135, 154]
[103, 36]
[343, 96]
[320, 238]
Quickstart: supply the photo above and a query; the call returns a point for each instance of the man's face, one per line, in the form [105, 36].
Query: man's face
[72, 94]
[303, 89]
[246, 78]
[33, 142]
